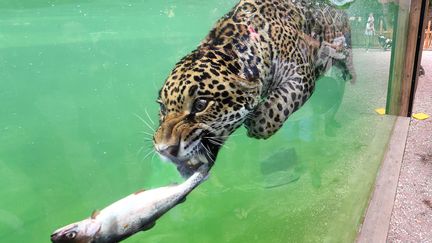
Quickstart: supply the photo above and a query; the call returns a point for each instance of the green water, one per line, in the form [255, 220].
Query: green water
[75, 76]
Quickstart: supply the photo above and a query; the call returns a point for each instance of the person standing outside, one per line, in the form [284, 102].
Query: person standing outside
[370, 30]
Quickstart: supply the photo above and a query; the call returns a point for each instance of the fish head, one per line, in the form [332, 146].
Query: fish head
[81, 232]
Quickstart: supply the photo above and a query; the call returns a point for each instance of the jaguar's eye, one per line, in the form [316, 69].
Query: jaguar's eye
[199, 105]
[71, 235]
[163, 108]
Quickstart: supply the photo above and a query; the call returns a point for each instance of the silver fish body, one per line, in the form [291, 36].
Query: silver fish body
[134, 213]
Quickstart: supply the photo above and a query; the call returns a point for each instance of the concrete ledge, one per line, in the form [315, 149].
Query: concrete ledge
[377, 219]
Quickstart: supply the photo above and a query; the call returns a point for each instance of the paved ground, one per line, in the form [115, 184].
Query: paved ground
[412, 213]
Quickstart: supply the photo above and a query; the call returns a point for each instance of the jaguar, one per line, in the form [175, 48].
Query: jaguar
[257, 66]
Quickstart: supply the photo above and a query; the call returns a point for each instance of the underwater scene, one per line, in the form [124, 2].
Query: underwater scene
[79, 85]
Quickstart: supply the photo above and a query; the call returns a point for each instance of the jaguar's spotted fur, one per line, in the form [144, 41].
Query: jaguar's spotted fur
[256, 67]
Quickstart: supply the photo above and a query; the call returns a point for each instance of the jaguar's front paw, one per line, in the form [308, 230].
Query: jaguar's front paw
[255, 130]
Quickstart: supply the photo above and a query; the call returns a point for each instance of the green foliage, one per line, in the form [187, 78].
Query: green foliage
[364, 7]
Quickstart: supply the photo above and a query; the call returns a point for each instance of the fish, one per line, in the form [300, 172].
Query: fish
[130, 215]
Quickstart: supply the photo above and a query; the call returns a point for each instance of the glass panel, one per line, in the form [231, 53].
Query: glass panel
[79, 83]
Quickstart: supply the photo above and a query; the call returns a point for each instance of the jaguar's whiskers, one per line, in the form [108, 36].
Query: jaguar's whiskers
[207, 154]
[217, 141]
[145, 122]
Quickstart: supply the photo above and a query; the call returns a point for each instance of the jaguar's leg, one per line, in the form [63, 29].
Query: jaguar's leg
[289, 95]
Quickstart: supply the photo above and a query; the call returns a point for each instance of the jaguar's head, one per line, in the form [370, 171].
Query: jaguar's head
[202, 102]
